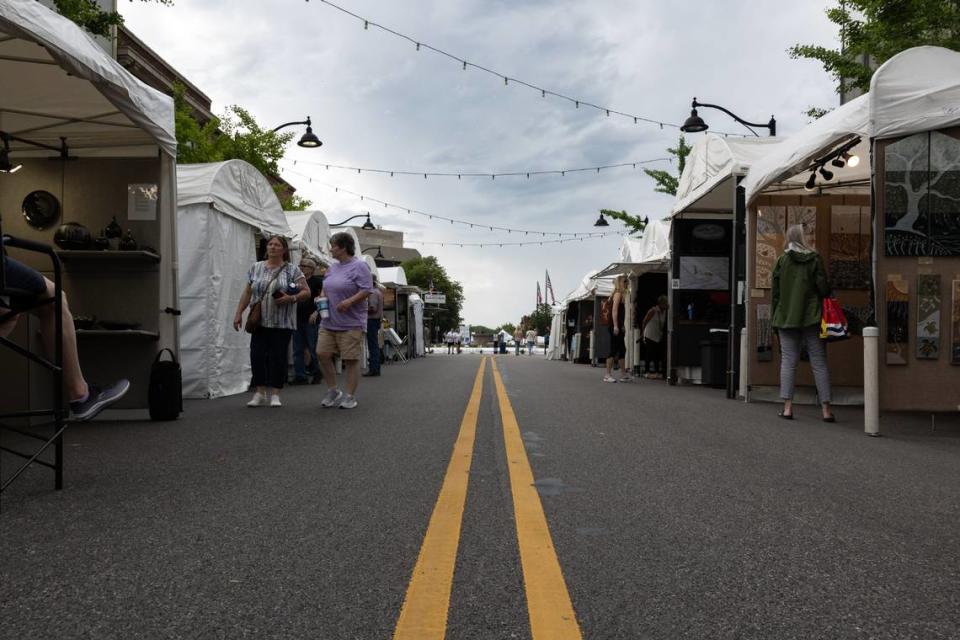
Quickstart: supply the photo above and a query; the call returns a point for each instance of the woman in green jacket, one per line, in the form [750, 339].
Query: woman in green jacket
[799, 287]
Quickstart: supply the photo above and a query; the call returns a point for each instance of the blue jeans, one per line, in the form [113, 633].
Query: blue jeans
[373, 344]
[305, 336]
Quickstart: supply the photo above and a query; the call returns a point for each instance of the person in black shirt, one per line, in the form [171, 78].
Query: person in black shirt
[305, 366]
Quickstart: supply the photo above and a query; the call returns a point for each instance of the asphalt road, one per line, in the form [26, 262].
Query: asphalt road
[672, 512]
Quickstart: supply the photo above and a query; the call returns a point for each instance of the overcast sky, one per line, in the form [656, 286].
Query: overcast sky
[376, 102]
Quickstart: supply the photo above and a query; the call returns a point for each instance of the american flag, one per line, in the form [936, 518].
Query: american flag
[539, 296]
[549, 288]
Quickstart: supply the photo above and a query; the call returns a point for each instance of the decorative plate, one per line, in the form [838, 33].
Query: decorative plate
[41, 209]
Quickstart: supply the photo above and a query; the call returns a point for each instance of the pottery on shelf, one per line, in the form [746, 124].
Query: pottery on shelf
[127, 243]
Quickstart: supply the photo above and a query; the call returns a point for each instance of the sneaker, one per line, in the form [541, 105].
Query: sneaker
[275, 401]
[332, 398]
[98, 399]
[258, 400]
[609, 379]
[626, 378]
[348, 402]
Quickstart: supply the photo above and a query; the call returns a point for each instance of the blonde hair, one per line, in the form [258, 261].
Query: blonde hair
[620, 284]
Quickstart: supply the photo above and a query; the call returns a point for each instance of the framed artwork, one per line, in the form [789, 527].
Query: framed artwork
[928, 317]
[764, 334]
[772, 225]
[704, 272]
[898, 318]
[850, 247]
[955, 322]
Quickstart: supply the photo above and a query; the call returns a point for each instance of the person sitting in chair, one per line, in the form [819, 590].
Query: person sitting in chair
[86, 400]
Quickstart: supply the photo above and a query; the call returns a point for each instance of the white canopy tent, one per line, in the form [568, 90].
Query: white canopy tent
[311, 233]
[222, 209]
[555, 348]
[416, 312]
[649, 253]
[392, 276]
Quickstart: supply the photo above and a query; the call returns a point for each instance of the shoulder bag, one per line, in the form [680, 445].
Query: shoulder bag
[255, 317]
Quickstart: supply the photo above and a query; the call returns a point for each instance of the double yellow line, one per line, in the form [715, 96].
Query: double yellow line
[424, 612]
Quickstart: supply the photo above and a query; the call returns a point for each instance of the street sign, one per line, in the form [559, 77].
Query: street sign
[435, 298]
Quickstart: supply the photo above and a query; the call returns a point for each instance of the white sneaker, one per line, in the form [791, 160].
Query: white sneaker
[348, 402]
[258, 400]
[275, 401]
[332, 398]
[609, 379]
[626, 378]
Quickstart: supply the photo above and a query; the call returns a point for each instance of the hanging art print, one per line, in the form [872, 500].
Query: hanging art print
[928, 317]
[955, 322]
[921, 196]
[764, 334]
[898, 318]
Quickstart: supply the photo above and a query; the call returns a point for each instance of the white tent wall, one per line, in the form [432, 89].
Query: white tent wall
[58, 83]
[312, 232]
[555, 348]
[416, 313]
[215, 358]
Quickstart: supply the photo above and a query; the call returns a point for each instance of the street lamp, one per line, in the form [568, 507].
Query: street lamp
[367, 226]
[309, 139]
[601, 222]
[379, 255]
[8, 167]
[695, 124]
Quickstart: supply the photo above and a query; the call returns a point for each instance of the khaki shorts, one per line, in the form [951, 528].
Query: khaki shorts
[345, 343]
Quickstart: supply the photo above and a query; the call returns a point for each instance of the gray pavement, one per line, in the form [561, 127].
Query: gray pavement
[675, 513]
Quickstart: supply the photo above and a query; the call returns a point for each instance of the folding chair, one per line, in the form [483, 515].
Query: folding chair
[13, 302]
[390, 337]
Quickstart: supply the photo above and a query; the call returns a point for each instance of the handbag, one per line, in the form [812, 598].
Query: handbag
[165, 395]
[833, 323]
[255, 317]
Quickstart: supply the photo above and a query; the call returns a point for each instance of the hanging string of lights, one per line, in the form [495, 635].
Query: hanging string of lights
[507, 80]
[505, 244]
[487, 174]
[433, 216]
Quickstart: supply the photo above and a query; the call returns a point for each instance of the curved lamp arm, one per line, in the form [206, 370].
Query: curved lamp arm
[772, 125]
[291, 124]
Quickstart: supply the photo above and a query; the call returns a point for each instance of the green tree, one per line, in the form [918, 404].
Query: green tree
[509, 327]
[423, 271]
[666, 182]
[233, 136]
[89, 15]
[540, 319]
[634, 224]
[873, 31]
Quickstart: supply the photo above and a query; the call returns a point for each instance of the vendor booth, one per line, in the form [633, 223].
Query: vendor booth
[93, 149]
[586, 341]
[311, 235]
[397, 309]
[893, 257]
[702, 285]
[646, 263]
[223, 210]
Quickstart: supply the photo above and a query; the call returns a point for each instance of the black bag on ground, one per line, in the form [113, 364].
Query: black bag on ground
[166, 388]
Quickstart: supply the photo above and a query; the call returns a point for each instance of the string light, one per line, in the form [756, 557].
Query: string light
[367, 23]
[499, 245]
[491, 174]
[455, 221]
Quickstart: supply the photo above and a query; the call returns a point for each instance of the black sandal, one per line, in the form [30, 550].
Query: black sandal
[785, 416]
[830, 418]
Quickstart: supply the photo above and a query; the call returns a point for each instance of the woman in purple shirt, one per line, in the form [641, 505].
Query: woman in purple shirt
[346, 286]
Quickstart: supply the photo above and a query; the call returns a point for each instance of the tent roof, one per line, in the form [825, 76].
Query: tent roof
[915, 90]
[592, 285]
[68, 86]
[311, 229]
[393, 276]
[651, 252]
[707, 180]
[791, 158]
[234, 188]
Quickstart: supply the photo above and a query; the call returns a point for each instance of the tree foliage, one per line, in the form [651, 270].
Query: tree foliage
[233, 136]
[89, 15]
[423, 271]
[540, 319]
[873, 31]
[634, 224]
[667, 183]
[509, 327]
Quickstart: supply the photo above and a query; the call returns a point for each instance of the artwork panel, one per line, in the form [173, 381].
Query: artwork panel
[898, 318]
[944, 197]
[771, 226]
[849, 263]
[806, 216]
[928, 317]
[704, 272]
[764, 334]
[906, 201]
[955, 323]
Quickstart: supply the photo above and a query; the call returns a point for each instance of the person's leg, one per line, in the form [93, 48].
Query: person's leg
[373, 346]
[313, 369]
[649, 357]
[352, 371]
[659, 360]
[258, 360]
[326, 348]
[789, 356]
[299, 346]
[279, 345]
[516, 348]
[72, 374]
[817, 349]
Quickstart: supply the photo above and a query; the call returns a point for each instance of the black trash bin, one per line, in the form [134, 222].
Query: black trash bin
[713, 359]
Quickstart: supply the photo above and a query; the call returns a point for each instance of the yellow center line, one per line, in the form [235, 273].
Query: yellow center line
[548, 602]
[424, 612]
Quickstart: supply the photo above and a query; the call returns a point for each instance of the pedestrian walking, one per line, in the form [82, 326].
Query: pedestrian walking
[305, 367]
[531, 340]
[448, 338]
[799, 287]
[457, 340]
[517, 340]
[346, 287]
[276, 286]
[654, 328]
[618, 346]
[374, 319]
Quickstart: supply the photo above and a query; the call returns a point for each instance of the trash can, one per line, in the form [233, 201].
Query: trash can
[713, 359]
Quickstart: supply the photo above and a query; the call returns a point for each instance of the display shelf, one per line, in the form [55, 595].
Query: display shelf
[119, 333]
[108, 255]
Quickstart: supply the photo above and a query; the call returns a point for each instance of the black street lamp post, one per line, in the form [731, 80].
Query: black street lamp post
[379, 255]
[367, 226]
[695, 124]
[308, 140]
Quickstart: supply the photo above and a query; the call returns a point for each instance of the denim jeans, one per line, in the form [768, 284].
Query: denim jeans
[305, 336]
[373, 344]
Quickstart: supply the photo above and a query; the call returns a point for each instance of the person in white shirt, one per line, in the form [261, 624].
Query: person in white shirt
[531, 341]
[654, 326]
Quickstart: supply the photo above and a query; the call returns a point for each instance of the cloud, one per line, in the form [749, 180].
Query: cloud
[377, 102]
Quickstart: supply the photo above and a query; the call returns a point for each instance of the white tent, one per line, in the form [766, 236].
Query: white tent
[416, 312]
[555, 348]
[649, 253]
[370, 262]
[708, 180]
[222, 208]
[392, 276]
[311, 232]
